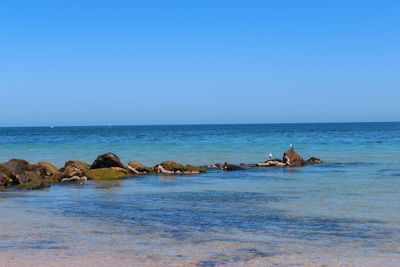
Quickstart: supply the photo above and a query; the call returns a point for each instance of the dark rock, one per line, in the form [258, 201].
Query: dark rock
[242, 164]
[138, 168]
[230, 167]
[107, 160]
[313, 160]
[291, 158]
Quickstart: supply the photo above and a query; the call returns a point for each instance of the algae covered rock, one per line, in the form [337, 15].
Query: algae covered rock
[291, 158]
[191, 169]
[51, 171]
[33, 185]
[107, 173]
[169, 167]
[106, 161]
[138, 168]
[23, 172]
[5, 176]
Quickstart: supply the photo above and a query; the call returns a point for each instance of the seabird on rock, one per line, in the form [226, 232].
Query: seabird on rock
[270, 155]
[291, 147]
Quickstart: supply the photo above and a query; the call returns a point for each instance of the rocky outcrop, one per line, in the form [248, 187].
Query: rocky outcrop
[107, 160]
[111, 173]
[19, 171]
[313, 160]
[230, 167]
[52, 172]
[171, 167]
[138, 168]
[5, 176]
[291, 158]
[271, 163]
[72, 168]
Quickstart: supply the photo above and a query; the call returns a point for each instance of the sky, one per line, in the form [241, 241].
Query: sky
[189, 62]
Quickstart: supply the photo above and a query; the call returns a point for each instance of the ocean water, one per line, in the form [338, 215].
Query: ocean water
[344, 211]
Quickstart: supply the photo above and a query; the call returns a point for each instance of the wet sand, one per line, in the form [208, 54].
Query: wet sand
[10, 259]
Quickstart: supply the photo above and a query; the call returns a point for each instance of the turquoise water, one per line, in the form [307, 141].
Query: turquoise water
[348, 206]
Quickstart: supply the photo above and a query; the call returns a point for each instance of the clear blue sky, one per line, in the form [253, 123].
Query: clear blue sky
[166, 62]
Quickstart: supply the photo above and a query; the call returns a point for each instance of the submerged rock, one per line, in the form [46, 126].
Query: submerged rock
[271, 163]
[218, 165]
[291, 158]
[33, 185]
[75, 179]
[191, 169]
[108, 173]
[230, 167]
[106, 161]
[313, 160]
[138, 168]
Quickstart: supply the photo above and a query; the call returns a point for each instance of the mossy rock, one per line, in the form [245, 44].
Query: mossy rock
[5, 176]
[33, 185]
[193, 169]
[77, 164]
[170, 166]
[51, 171]
[107, 173]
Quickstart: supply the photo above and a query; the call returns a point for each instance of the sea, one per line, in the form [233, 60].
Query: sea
[342, 212]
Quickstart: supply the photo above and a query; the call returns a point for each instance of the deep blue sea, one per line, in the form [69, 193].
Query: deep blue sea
[345, 210]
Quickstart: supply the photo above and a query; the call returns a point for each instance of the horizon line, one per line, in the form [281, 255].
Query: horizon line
[193, 124]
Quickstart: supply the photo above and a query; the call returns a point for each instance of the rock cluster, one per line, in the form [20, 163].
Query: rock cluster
[290, 158]
[19, 171]
[26, 176]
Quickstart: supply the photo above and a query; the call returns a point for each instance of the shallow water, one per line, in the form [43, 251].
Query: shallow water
[343, 211]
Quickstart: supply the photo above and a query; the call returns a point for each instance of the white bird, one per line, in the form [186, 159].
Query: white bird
[291, 147]
[270, 155]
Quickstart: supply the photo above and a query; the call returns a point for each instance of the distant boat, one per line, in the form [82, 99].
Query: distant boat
[51, 126]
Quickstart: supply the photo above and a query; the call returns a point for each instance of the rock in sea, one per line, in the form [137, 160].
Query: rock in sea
[291, 158]
[106, 161]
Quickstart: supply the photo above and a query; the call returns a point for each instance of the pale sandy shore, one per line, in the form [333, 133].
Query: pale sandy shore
[54, 259]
